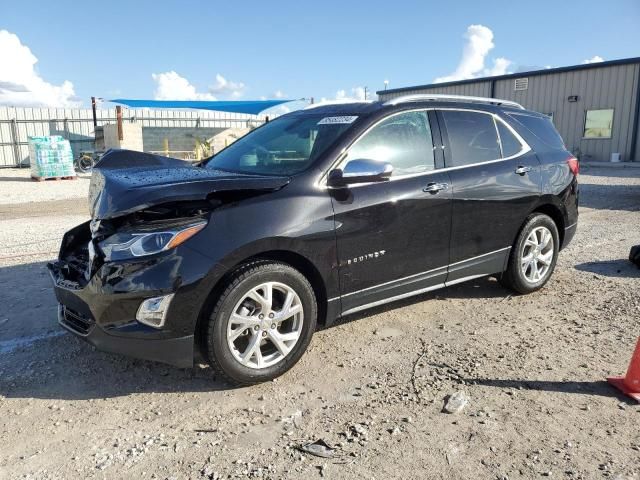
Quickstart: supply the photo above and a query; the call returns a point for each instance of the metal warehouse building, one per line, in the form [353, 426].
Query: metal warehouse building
[595, 107]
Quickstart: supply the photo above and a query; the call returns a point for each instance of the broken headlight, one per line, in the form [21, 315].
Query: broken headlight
[132, 244]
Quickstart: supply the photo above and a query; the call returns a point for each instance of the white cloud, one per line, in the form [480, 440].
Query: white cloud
[500, 67]
[278, 94]
[172, 86]
[227, 87]
[20, 83]
[356, 94]
[594, 59]
[479, 42]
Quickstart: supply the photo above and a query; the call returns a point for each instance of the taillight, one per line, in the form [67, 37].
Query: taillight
[574, 165]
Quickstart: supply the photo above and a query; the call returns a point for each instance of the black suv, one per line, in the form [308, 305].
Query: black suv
[315, 215]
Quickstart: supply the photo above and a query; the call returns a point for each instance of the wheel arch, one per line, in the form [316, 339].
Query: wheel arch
[291, 258]
[556, 215]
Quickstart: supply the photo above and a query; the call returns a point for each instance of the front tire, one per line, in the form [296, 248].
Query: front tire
[533, 256]
[262, 323]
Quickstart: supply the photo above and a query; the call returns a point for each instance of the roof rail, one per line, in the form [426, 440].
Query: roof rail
[456, 98]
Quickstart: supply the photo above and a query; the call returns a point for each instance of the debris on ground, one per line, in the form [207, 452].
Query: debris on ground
[455, 402]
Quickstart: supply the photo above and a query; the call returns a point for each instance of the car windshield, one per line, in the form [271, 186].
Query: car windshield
[284, 146]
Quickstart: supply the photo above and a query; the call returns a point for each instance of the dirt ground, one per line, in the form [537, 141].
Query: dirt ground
[372, 387]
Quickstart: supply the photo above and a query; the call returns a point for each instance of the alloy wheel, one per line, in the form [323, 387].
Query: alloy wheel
[537, 254]
[265, 325]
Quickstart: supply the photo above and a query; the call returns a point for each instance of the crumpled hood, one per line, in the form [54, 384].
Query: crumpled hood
[124, 181]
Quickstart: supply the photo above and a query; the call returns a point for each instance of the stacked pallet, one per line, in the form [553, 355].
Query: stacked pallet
[50, 157]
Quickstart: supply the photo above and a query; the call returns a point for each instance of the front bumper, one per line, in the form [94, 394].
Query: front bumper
[174, 351]
[101, 309]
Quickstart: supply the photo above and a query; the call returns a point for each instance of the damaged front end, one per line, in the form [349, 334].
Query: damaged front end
[130, 280]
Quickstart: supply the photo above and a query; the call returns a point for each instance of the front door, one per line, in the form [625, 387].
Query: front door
[495, 181]
[393, 236]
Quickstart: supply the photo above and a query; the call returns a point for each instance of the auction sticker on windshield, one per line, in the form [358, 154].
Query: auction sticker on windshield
[334, 120]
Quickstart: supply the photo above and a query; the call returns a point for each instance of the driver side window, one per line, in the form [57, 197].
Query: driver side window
[404, 140]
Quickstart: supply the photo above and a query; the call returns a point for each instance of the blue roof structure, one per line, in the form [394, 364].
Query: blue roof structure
[251, 107]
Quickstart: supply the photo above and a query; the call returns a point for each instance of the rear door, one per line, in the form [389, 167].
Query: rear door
[495, 179]
[393, 236]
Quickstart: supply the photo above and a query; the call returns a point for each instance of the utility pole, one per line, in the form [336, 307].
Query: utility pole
[366, 93]
[93, 108]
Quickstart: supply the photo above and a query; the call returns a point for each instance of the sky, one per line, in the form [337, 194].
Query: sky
[61, 53]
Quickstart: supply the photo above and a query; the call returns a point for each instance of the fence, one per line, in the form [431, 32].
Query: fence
[76, 125]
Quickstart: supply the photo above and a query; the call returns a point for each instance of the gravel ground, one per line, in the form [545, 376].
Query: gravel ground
[18, 187]
[531, 370]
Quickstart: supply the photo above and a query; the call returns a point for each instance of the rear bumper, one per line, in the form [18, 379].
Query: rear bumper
[174, 351]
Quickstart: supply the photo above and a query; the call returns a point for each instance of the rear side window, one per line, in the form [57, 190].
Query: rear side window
[472, 137]
[541, 127]
[510, 144]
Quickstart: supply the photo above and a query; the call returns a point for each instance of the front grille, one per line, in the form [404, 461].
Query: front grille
[75, 321]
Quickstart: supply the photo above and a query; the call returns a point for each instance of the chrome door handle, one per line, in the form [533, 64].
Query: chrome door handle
[521, 170]
[434, 188]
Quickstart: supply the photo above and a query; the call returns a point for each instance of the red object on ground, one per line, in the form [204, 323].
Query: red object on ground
[630, 383]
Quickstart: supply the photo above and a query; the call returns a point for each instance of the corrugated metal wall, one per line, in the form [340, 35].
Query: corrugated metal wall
[597, 88]
[17, 124]
[613, 86]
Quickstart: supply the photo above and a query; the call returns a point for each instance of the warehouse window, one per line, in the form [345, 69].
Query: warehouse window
[598, 123]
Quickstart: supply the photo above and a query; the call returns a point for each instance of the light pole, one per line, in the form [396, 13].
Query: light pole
[386, 84]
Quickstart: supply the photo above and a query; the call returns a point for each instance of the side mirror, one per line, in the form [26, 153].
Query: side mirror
[360, 171]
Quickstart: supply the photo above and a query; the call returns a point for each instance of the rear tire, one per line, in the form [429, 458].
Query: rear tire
[262, 323]
[533, 256]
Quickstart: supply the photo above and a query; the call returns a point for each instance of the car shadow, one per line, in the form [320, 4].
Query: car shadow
[67, 368]
[609, 172]
[610, 197]
[49, 365]
[620, 268]
[600, 387]
[31, 180]
[16, 179]
[40, 360]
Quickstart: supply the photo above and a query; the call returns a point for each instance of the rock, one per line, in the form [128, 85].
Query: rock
[319, 448]
[359, 430]
[456, 402]
[208, 471]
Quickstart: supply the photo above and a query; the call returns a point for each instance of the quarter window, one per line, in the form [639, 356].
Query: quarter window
[472, 137]
[542, 127]
[598, 123]
[510, 144]
[403, 140]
